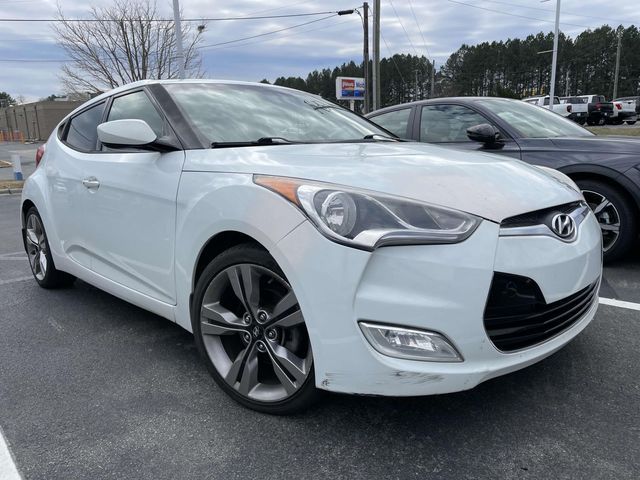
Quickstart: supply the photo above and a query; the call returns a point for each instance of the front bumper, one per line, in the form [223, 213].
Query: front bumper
[441, 288]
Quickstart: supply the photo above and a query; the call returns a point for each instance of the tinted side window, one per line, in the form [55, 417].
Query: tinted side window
[137, 106]
[395, 121]
[447, 123]
[83, 128]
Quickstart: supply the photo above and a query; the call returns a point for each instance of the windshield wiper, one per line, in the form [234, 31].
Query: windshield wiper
[381, 137]
[253, 143]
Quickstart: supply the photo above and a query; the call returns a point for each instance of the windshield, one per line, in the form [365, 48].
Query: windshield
[246, 113]
[533, 122]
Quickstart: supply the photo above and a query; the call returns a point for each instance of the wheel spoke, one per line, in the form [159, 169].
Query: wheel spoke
[249, 376]
[601, 206]
[287, 360]
[287, 302]
[613, 227]
[290, 320]
[43, 263]
[243, 286]
[32, 238]
[220, 320]
[251, 284]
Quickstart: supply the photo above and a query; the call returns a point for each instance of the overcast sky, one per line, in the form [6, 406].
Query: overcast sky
[437, 29]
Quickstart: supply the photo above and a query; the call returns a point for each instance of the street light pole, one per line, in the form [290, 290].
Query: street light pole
[365, 54]
[375, 84]
[178, 29]
[552, 90]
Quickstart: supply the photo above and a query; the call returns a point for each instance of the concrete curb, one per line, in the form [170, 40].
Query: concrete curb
[10, 191]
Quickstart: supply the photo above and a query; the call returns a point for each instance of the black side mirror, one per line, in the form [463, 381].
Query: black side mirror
[487, 134]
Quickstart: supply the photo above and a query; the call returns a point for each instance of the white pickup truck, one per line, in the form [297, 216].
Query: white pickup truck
[624, 111]
[560, 108]
[579, 108]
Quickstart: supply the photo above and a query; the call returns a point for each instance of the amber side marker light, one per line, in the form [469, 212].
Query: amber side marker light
[287, 187]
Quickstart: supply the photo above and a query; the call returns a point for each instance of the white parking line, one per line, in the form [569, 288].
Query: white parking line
[15, 280]
[8, 469]
[619, 303]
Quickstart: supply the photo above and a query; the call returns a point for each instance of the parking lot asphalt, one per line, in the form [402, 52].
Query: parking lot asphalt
[92, 387]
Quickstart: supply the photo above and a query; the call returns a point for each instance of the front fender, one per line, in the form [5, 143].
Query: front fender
[210, 203]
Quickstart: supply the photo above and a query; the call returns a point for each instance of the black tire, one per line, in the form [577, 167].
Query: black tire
[628, 229]
[306, 394]
[51, 277]
[632, 122]
[591, 122]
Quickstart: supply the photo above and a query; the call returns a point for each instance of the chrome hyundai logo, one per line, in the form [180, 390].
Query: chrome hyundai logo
[563, 225]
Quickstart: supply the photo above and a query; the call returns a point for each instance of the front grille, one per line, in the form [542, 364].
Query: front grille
[539, 217]
[517, 316]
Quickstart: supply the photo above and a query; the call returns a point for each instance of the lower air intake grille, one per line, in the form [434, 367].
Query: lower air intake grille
[516, 315]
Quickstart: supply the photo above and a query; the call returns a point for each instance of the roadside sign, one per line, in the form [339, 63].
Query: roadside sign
[350, 88]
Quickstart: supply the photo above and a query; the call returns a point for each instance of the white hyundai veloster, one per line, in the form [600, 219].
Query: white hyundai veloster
[305, 247]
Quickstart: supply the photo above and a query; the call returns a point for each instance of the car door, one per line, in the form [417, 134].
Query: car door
[446, 124]
[132, 206]
[397, 121]
[77, 143]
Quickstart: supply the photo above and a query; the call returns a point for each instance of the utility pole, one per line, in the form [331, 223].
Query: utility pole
[615, 81]
[566, 88]
[178, 29]
[365, 54]
[433, 79]
[554, 62]
[376, 55]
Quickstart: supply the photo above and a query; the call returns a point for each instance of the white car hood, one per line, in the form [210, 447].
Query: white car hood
[490, 186]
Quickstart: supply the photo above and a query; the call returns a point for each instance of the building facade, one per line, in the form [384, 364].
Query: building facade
[33, 121]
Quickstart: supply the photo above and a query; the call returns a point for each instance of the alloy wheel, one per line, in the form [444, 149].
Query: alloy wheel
[607, 215]
[254, 333]
[36, 246]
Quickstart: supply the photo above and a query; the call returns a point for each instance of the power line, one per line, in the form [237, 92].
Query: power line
[25, 60]
[516, 15]
[392, 59]
[280, 8]
[402, 25]
[214, 19]
[267, 33]
[281, 36]
[551, 11]
[424, 42]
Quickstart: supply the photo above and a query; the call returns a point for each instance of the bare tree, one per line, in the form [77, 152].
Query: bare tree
[122, 43]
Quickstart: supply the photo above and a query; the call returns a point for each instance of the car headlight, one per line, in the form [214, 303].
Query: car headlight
[370, 220]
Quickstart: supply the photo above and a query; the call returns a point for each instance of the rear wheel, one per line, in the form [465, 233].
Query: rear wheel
[632, 122]
[251, 333]
[37, 246]
[614, 214]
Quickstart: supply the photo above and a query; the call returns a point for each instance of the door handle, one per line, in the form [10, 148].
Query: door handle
[91, 183]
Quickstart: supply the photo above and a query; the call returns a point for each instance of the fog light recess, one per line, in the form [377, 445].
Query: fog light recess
[409, 343]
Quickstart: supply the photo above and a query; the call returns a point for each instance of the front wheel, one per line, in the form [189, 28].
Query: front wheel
[632, 122]
[614, 214]
[250, 331]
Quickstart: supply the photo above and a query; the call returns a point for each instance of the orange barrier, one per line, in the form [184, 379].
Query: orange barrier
[11, 136]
